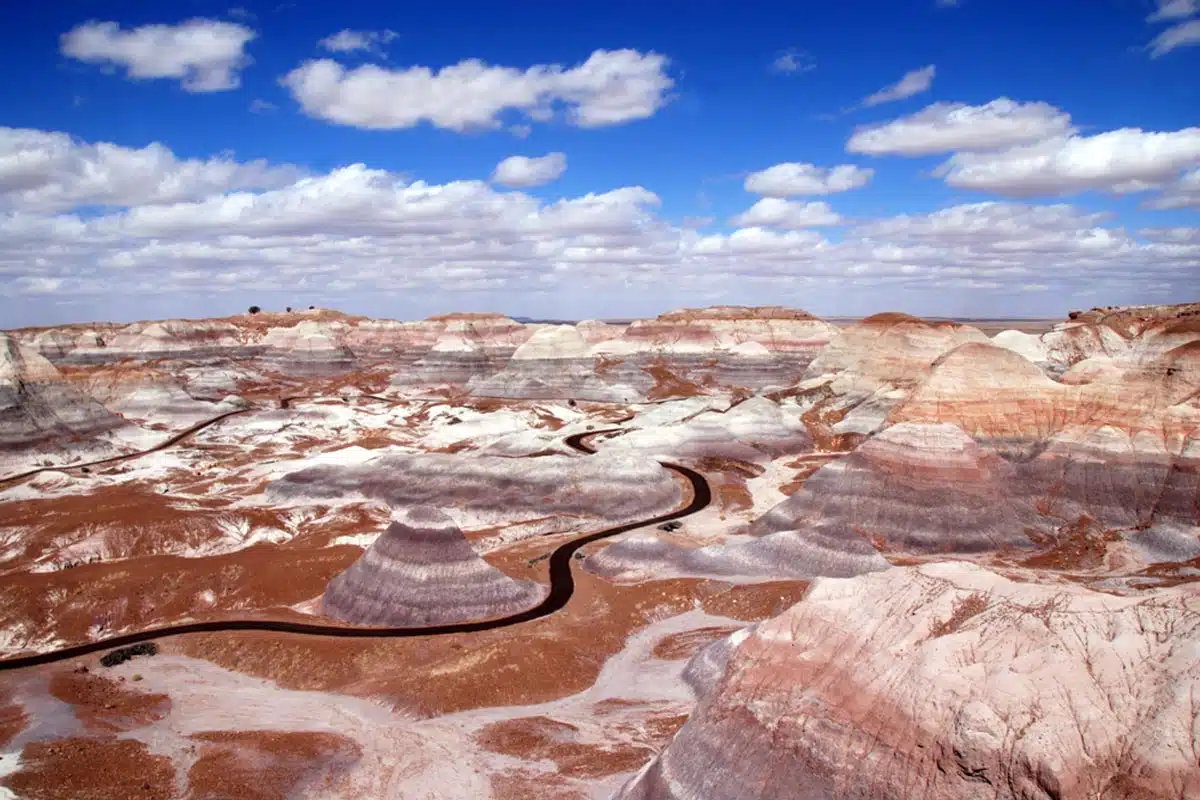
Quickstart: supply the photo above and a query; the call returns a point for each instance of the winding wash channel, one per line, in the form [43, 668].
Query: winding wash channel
[562, 582]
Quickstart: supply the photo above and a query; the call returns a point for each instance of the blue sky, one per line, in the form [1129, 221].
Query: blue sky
[1068, 176]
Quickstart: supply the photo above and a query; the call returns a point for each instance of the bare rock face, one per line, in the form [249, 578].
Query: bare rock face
[422, 572]
[147, 395]
[755, 430]
[946, 681]
[556, 362]
[891, 348]
[39, 409]
[789, 554]
[849, 390]
[687, 352]
[1116, 452]
[915, 488]
[562, 491]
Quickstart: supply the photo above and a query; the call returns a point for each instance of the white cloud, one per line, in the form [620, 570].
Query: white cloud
[1121, 161]
[260, 106]
[524, 172]
[944, 127]
[1185, 34]
[348, 41]
[913, 83]
[611, 87]
[1174, 9]
[773, 212]
[372, 232]
[48, 172]
[204, 55]
[948, 3]
[791, 179]
[1184, 193]
[791, 62]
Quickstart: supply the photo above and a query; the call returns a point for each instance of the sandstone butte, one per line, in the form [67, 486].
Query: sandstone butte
[924, 559]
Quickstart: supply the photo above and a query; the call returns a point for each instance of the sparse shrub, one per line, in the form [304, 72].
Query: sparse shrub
[312, 308]
[1074, 315]
[254, 309]
[123, 654]
[289, 309]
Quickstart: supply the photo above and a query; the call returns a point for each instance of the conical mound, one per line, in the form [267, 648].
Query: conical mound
[421, 572]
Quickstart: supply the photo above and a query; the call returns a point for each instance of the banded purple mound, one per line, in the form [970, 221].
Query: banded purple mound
[422, 571]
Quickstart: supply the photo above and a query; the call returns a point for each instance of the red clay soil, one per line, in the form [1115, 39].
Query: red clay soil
[964, 609]
[92, 769]
[688, 643]
[526, 784]
[158, 590]
[668, 383]
[727, 477]
[106, 705]
[1081, 545]
[268, 765]
[807, 467]
[543, 660]
[605, 365]
[541, 738]
[133, 518]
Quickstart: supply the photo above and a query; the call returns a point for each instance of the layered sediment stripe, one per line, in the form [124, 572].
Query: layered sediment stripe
[422, 571]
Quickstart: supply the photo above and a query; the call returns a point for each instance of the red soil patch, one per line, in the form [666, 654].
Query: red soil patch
[752, 602]
[688, 643]
[605, 365]
[539, 661]
[1078, 545]
[268, 765]
[133, 518]
[154, 591]
[668, 383]
[107, 705]
[964, 609]
[525, 784]
[91, 769]
[820, 420]
[890, 318]
[727, 477]
[538, 738]
[806, 468]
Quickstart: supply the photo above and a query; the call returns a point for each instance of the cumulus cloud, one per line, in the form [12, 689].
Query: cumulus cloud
[945, 127]
[791, 62]
[524, 172]
[376, 233]
[348, 41]
[204, 55]
[1185, 34]
[47, 172]
[1122, 161]
[609, 88]
[790, 179]
[913, 83]
[773, 212]
[1174, 9]
[1183, 193]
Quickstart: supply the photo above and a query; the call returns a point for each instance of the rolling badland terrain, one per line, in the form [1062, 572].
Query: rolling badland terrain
[722, 553]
